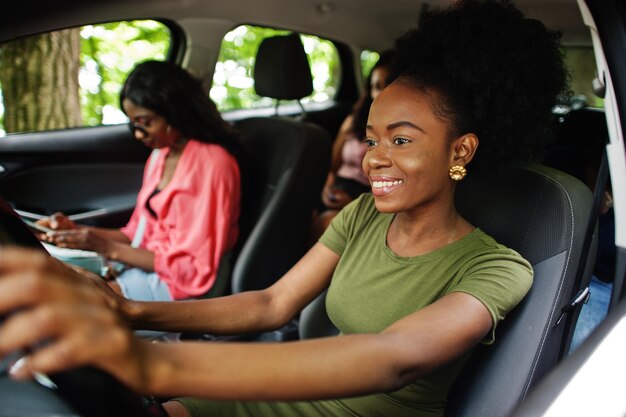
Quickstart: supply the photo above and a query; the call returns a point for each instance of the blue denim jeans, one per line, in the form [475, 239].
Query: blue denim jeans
[593, 312]
[140, 285]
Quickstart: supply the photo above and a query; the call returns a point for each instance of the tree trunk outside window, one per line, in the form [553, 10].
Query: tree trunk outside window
[38, 95]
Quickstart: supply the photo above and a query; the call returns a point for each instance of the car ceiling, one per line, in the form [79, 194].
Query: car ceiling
[362, 23]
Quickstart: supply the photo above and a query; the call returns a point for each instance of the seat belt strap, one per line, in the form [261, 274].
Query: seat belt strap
[598, 195]
[582, 294]
[141, 225]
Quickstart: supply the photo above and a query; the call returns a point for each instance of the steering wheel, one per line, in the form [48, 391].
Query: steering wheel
[84, 392]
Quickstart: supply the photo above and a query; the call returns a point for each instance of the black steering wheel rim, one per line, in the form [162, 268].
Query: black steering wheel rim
[84, 392]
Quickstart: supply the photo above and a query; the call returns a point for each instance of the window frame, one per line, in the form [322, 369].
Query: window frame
[175, 52]
[289, 107]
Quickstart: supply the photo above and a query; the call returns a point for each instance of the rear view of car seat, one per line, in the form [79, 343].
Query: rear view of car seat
[286, 165]
[281, 69]
[290, 160]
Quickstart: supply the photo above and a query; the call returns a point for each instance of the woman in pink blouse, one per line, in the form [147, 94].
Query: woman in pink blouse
[187, 210]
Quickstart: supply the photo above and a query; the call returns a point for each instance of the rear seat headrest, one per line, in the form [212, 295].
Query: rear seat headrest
[282, 69]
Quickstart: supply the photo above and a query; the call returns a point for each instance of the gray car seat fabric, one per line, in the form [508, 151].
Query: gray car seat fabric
[541, 213]
[286, 163]
[289, 164]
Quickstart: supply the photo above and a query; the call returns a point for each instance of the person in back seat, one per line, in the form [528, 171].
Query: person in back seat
[346, 180]
[412, 285]
[187, 210]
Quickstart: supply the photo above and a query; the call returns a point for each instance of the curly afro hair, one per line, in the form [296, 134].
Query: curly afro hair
[498, 75]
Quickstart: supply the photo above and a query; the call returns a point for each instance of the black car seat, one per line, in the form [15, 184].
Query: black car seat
[290, 159]
[281, 69]
[541, 213]
[289, 163]
[286, 163]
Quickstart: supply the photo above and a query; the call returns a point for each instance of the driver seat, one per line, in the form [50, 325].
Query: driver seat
[542, 213]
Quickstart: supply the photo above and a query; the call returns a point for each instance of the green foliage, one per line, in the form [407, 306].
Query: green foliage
[108, 52]
[368, 60]
[582, 66]
[233, 85]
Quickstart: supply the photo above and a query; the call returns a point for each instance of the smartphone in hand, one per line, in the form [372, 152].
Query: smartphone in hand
[37, 226]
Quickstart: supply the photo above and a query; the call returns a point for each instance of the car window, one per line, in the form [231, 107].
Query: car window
[368, 60]
[72, 77]
[581, 63]
[233, 85]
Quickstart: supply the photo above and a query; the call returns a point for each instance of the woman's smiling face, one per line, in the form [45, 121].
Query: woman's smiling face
[409, 151]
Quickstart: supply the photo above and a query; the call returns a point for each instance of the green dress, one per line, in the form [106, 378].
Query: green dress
[372, 287]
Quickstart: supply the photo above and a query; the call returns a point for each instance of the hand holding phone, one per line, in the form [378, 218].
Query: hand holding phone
[38, 227]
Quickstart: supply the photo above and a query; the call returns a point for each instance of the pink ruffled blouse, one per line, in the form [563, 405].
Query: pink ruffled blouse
[196, 216]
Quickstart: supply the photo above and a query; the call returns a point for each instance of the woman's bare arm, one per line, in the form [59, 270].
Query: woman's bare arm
[126, 254]
[84, 330]
[322, 368]
[59, 221]
[114, 235]
[245, 312]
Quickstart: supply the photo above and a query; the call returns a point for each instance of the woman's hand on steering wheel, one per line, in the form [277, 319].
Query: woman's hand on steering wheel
[70, 319]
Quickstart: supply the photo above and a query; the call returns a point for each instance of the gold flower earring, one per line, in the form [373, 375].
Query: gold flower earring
[457, 172]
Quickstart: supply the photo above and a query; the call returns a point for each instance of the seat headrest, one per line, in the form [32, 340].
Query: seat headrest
[282, 69]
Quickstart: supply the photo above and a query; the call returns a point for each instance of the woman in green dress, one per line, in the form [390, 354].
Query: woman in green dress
[412, 285]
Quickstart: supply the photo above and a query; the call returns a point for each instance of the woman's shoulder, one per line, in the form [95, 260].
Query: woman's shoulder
[205, 147]
[211, 160]
[483, 251]
[483, 242]
[209, 152]
[489, 242]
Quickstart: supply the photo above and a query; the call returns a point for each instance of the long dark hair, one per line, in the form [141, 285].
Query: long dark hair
[170, 91]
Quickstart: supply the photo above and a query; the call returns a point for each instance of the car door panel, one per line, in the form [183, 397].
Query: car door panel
[93, 174]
